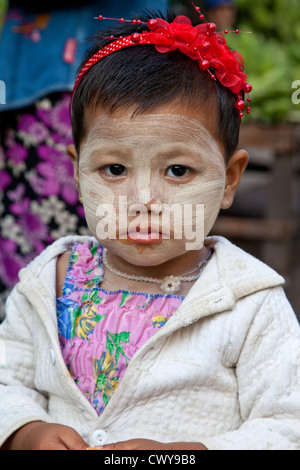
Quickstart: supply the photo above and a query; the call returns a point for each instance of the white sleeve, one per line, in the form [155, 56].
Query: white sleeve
[268, 375]
[20, 403]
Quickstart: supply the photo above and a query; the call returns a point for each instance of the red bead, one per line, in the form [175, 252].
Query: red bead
[139, 22]
[247, 88]
[248, 110]
[201, 17]
[211, 28]
[122, 20]
[226, 31]
[197, 8]
[134, 21]
[100, 17]
[240, 104]
[152, 24]
[249, 100]
[237, 31]
[204, 64]
[135, 38]
[206, 46]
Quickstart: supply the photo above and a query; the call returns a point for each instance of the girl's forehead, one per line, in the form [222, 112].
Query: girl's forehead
[149, 120]
[159, 127]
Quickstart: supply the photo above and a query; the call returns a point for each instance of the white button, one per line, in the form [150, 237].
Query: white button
[52, 357]
[99, 437]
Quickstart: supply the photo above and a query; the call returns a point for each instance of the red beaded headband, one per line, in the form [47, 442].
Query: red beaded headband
[201, 43]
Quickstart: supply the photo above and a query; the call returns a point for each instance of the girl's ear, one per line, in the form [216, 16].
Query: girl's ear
[75, 160]
[235, 169]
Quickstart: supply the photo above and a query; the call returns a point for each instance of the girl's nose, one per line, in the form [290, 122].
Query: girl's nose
[151, 205]
[145, 194]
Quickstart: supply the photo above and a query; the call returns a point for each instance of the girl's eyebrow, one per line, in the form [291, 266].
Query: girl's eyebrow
[192, 152]
[173, 152]
[107, 150]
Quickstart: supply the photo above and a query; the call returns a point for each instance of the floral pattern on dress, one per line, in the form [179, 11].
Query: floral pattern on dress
[99, 330]
[38, 196]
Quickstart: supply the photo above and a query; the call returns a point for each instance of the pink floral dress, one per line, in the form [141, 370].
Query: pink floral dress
[99, 330]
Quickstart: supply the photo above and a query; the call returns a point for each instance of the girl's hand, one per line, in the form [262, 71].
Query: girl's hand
[43, 436]
[147, 444]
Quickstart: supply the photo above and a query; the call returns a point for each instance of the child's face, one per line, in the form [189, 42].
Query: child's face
[158, 160]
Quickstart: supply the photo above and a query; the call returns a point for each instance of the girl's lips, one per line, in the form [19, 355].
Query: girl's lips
[142, 237]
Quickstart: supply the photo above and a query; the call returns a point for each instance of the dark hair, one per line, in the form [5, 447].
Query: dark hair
[141, 77]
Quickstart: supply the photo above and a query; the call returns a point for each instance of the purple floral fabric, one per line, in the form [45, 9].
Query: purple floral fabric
[38, 195]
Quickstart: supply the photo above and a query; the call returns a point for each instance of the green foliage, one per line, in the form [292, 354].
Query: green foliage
[3, 7]
[272, 56]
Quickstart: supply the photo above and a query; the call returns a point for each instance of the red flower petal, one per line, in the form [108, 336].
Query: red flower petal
[239, 60]
[164, 49]
[195, 43]
[201, 29]
[182, 20]
[162, 24]
[229, 80]
[184, 36]
[158, 39]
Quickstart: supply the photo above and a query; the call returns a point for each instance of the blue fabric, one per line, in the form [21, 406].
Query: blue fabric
[31, 70]
[217, 3]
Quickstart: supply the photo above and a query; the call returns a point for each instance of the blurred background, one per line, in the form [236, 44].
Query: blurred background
[37, 205]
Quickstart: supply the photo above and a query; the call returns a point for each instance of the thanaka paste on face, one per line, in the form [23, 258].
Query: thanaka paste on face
[146, 145]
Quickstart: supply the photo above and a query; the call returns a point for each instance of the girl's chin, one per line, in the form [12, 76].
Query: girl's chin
[157, 251]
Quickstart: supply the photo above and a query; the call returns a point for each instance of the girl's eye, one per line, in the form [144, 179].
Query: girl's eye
[114, 170]
[177, 170]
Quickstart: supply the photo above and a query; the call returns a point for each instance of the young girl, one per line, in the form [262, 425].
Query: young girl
[150, 334]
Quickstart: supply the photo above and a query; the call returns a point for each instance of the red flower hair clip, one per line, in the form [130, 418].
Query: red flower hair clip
[201, 43]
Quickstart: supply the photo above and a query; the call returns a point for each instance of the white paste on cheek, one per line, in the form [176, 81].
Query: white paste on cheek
[208, 193]
[94, 190]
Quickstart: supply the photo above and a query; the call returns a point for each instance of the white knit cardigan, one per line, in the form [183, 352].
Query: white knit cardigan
[224, 370]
